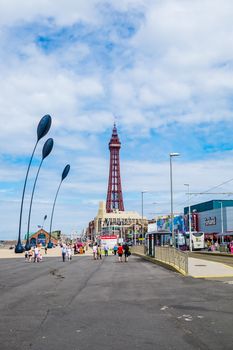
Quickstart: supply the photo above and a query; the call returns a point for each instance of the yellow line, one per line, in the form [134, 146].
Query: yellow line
[218, 276]
[226, 265]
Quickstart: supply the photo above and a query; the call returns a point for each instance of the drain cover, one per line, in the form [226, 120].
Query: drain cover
[200, 265]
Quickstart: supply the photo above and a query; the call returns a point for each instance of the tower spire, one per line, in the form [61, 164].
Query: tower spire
[114, 195]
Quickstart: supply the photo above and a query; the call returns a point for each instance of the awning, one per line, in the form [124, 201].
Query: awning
[225, 234]
[158, 233]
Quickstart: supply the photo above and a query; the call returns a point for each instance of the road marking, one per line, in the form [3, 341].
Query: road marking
[164, 307]
[211, 276]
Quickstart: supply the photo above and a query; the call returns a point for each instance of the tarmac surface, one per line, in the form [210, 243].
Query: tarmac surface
[104, 304]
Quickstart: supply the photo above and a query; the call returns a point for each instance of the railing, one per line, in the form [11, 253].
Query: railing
[140, 249]
[167, 255]
[173, 257]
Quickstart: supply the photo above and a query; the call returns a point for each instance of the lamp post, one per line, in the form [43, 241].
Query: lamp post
[190, 227]
[42, 129]
[171, 155]
[121, 227]
[48, 146]
[221, 220]
[64, 175]
[142, 193]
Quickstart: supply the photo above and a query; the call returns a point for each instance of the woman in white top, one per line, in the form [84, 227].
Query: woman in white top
[94, 251]
[69, 253]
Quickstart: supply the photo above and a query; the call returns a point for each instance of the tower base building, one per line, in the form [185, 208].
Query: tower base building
[125, 225]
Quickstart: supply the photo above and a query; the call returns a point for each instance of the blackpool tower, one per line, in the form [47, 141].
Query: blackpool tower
[114, 196]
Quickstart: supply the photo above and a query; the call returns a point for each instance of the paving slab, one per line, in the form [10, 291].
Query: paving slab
[199, 268]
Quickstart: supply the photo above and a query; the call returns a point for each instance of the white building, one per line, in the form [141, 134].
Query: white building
[120, 223]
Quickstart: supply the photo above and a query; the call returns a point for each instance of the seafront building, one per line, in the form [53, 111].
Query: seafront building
[42, 237]
[123, 224]
[214, 217]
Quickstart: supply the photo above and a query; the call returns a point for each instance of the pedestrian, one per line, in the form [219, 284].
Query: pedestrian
[120, 252]
[231, 247]
[26, 255]
[99, 253]
[106, 249]
[69, 253]
[115, 249]
[94, 248]
[63, 252]
[40, 257]
[45, 249]
[127, 252]
[36, 253]
[30, 254]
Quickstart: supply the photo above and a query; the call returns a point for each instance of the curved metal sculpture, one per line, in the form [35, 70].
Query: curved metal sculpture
[48, 146]
[42, 129]
[45, 217]
[64, 175]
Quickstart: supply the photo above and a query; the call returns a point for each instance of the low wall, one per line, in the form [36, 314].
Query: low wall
[168, 256]
[173, 257]
[140, 249]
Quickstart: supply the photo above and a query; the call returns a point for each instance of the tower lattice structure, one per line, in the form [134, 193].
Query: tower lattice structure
[114, 196]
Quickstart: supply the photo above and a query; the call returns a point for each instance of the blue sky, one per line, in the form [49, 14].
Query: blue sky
[162, 69]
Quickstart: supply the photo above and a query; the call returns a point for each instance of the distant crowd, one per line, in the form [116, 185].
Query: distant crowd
[67, 250]
[118, 249]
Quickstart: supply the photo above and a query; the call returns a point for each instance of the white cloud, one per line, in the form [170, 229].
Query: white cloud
[174, 67]
[68, 12]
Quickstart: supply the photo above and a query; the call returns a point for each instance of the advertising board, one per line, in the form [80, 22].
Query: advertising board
[110, 240]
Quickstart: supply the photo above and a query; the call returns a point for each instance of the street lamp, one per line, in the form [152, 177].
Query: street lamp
[171, 155]
[142, 193]
[221, 220]
[48, 146]
[42, 129]
[64, 175]
[190, 228]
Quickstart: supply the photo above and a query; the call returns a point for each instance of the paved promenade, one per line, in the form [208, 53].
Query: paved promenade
[103, 304]
[200, 268]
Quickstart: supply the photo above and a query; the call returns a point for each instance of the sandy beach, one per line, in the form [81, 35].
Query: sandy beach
[6, 253]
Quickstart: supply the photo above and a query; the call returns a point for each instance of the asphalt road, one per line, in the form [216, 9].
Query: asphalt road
[87, 304]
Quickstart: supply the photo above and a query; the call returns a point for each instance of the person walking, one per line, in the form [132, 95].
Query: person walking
[126, 252]
[69, 253]
[106, 249]
[120, 252]
[115, 249]
[30, 255]
[99, 253]
[63, 252]
[94, 248]
[36, 253]
[26, 255]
